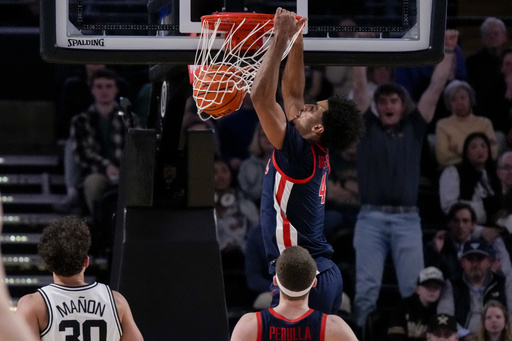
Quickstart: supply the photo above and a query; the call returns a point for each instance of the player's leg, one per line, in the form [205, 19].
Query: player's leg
[371, 243]
[407, 250]
[327, 294]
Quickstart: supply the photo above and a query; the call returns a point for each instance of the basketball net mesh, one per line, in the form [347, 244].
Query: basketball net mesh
[242, 51]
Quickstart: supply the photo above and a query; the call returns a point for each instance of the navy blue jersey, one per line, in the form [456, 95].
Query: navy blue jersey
[272, 326]
[293, 199]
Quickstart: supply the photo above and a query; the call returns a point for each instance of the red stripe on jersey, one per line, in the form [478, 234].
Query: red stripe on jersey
[286, 224]
[322, 327]
[287, 239]
[296, 181]
[260, 328]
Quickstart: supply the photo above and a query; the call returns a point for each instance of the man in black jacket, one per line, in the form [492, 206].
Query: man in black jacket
[465, 295]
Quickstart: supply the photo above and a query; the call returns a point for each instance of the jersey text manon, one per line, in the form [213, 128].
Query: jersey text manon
[81, 305]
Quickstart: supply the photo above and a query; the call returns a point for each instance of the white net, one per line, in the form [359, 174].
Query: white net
[243, 44]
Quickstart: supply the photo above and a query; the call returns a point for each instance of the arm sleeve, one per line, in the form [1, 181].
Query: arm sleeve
[449, 191]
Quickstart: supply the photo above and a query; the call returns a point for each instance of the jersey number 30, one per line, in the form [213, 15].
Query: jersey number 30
[86, 328]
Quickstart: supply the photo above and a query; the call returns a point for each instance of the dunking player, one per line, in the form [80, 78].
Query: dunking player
[292, 319]
[71, 309]
[293, 196]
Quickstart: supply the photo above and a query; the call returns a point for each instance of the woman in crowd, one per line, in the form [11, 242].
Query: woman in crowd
[495, 324]
[473, 180]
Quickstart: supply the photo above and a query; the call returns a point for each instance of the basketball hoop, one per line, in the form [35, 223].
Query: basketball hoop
[237, 41]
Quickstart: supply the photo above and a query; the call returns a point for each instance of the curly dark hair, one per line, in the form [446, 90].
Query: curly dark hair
[343, 124]
[295, 269]
[64, 245]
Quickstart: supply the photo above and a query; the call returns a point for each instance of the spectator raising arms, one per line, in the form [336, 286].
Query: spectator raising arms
[388, 170]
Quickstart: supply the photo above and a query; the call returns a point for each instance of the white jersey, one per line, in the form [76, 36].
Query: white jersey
[84, 313]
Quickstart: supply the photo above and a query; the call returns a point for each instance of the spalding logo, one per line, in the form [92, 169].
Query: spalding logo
[86, 42]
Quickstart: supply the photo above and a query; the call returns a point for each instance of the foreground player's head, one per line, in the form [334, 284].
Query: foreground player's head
[295, 272]
[343, 124]
[64, 245]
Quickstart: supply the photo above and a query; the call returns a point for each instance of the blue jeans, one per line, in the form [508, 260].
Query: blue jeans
[376, 233]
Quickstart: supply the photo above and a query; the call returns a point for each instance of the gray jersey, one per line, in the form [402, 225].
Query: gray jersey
[81, 313]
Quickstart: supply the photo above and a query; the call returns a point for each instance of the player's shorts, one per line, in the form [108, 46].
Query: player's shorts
[325, 296]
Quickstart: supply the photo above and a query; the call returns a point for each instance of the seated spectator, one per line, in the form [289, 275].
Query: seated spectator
[484, 71]
[76, 97]
[442, 327]
[465, 296]
[342, 200]
[97, 137]
[252, 170]
[410, 317]
[474, 180]
[445, 249]
[235, 217]
[452, 131]
[495, 323]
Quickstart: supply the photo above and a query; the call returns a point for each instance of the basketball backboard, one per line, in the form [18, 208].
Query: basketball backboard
[407, 32]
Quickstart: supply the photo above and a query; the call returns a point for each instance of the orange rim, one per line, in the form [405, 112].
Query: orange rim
[228, 19]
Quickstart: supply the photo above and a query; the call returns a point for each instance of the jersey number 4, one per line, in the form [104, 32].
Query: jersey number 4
[86, 329]
[323, 189]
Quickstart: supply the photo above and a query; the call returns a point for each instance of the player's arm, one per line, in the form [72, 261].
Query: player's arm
[428, 101]
[33, 310]
[12, 327]
[360, 87]
[294, 80]
[246, 329]
[337, 329]
[130, 330]
[264, 88]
